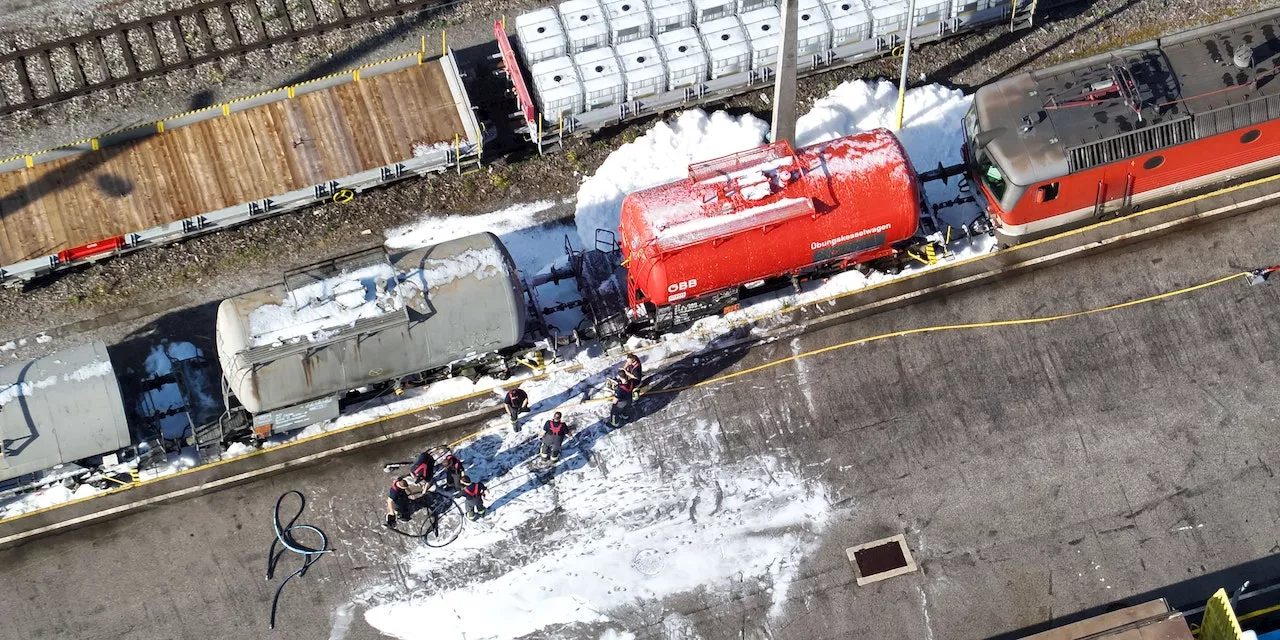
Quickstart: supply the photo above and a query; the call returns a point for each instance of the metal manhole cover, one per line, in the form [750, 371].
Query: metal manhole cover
[649, 562]
[881, 559]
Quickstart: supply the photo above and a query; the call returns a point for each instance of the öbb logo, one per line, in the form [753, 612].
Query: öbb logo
[687, 285]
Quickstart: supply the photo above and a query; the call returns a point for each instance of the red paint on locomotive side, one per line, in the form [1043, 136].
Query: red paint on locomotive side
[768, 212]
[1181, 170]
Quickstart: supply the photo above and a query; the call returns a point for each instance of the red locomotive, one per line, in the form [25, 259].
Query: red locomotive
[770, 214]
[1138, 127]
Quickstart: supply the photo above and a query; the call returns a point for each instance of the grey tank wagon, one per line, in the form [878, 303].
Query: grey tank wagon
[291, 352]
[61, 409]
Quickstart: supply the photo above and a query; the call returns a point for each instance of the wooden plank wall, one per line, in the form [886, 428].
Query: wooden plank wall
[246, 156]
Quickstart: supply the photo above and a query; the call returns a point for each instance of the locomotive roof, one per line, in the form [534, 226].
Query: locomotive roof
[1181, 88]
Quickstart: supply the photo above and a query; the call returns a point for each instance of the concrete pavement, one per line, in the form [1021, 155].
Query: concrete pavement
[1037, 472]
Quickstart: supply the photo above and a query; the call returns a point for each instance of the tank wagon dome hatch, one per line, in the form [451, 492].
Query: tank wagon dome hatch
[369, 317]
[58, 409]
[1047, 124]
[767, 212]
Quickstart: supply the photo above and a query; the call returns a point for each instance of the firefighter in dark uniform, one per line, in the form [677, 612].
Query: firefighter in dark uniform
[424, 469]
[400, 504]
[632, 371]
[553, 434]
[453, 473]
[623, 402]
[474, 493]
[516, 401]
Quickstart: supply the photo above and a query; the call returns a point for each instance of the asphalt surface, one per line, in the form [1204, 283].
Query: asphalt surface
[1037, 472]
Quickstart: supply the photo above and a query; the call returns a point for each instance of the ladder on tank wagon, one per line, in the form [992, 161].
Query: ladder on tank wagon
[1023, 15]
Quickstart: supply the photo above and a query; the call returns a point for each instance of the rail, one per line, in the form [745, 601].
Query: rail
[156, 45]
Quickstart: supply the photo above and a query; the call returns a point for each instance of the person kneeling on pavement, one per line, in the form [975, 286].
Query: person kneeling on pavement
[399, 502]
[474, 493]
[553, 434]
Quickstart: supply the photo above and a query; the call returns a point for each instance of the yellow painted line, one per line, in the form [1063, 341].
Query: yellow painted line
[737, 324]
[955, 327]
[1259, 612]
[575, 366]
[214, 485]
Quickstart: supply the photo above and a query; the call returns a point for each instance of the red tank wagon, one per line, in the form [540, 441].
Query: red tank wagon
[768, 214]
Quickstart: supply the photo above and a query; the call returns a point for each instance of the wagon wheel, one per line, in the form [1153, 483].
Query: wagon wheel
[441, 523]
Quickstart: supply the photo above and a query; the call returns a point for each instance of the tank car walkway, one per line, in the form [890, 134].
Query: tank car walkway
[1035, 471]
[243, 157]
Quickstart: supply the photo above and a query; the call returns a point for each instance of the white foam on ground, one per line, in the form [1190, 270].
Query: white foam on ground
[628, 532]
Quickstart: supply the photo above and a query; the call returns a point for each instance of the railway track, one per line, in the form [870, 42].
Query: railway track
[131, 51]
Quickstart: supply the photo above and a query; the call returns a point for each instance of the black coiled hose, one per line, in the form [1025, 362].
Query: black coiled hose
[285, 538]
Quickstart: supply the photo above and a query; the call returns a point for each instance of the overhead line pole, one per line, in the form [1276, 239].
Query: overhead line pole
[784, 86]
[906, 56]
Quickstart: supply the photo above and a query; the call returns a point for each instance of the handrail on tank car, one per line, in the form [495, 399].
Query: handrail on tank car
[725, 165]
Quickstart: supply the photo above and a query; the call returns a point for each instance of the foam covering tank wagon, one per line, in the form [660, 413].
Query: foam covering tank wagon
[735, 223]
[291, 351]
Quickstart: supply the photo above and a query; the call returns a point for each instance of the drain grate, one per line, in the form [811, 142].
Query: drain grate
[881, 559]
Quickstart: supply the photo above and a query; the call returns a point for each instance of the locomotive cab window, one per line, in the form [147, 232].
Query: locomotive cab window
[1047, 192]
[983, 166]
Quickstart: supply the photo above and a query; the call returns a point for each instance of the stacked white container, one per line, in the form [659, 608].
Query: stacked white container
[932, 11]
[751, 5]
[813, 32]
[685, 56]
[705, 11]
[763, 34]
[628, 20]
[669, 15]
[584, 25]
[727, 48]
[541, 36]
[602, 81]
[888, 17]
[643, 71]
[557, 88]
[962, 8]
[850, 21]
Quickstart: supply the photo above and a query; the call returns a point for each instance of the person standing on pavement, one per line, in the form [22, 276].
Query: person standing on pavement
[516, 401]
[474, 493]
[553, 434]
